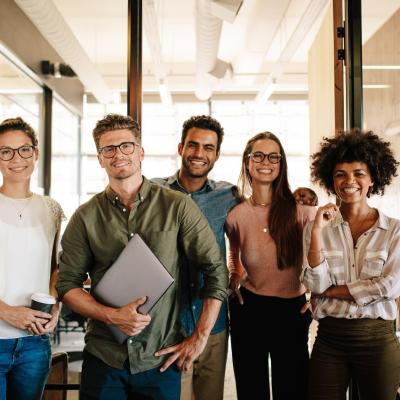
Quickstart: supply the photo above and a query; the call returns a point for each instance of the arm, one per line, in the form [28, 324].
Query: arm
[55, 311]
[188, 350]
[126, 318]
[202, 251]
[236, 269]
[23, 317]
[315, 274]
[384, 287]
[76, 260]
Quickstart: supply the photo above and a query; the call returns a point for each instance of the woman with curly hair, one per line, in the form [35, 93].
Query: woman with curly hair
[268, 315]
[352, 264]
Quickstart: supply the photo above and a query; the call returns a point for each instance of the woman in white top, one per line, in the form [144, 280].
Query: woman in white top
[352, 265]
[29, 227]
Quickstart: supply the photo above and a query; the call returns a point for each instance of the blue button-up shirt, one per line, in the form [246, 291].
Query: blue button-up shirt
[215, 200]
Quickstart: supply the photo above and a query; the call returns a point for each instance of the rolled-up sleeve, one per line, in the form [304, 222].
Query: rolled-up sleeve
[203, 252]
[316, 279]
[76, 257]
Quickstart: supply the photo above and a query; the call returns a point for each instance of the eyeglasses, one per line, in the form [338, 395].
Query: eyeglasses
[124, 147]
[259, 156]
[25, 151]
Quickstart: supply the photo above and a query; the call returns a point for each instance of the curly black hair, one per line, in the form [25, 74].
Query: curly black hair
[351, 146]
[203, 122]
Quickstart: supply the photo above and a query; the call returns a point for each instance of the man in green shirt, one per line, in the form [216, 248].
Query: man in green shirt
[175, 229]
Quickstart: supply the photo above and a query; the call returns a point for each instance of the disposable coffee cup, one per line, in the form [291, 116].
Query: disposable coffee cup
[42, 302]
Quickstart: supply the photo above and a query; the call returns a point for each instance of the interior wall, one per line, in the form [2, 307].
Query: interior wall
[23, 39]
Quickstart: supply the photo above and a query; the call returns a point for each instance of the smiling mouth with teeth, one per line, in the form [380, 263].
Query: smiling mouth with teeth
[350, 190]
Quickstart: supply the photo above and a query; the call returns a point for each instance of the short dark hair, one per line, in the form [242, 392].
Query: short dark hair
[113, 122]
[203, 122]
[355, 145]
[18, 124]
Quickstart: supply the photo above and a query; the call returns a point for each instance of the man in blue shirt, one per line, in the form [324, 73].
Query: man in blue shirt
[199, 149]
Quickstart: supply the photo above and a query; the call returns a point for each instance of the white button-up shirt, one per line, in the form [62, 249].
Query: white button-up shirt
[370, 269]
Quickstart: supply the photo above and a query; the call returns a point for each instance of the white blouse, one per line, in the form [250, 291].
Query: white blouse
[28, 229]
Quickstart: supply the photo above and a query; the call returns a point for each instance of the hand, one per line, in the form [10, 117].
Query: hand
[325, 215]
[306, 306]
[50, 325]
[185, 352]
[234, 284]
[25, 318]
[128, 319]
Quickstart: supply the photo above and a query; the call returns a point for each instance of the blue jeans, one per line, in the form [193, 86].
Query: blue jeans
[24, 366]
[101, 382]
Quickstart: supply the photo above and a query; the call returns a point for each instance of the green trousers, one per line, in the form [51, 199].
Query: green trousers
[366, 350]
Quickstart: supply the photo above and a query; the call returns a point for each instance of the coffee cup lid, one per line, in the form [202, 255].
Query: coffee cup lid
[43, 298]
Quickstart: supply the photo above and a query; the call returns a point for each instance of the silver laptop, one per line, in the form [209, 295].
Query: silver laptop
[136, 273]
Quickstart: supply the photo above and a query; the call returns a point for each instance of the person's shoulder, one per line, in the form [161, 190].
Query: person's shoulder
[240, 208]
[160, 181]
[54, 207]
[166, 192]
[390, 222]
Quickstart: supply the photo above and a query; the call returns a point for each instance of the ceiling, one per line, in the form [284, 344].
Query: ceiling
[256, 45]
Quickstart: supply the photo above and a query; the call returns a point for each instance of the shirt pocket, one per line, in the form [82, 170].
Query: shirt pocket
[334, 258]
[373, 264]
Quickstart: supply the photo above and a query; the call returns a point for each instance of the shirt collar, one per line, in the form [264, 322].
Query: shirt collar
[141, 195]
[382, 223]
[174, 180]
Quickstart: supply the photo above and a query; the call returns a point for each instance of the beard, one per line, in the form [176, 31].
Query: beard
[193, 172]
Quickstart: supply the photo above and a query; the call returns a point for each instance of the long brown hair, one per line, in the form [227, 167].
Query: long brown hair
[282, 222]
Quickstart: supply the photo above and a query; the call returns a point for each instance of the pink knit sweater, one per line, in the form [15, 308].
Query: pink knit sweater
[252, 248]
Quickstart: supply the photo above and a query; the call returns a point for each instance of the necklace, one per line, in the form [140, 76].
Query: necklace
[259, 204]
[264, 228]
[20, 211]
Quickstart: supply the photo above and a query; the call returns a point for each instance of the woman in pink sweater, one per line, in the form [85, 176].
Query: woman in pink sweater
[268, 316]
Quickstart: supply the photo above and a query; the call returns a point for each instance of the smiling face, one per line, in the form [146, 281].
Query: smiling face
[17, 169]
[264, 172]
[352, 181]
[199, 152]
[120, 166]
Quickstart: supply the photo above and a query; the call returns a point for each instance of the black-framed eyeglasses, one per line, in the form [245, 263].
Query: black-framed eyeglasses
[25, 151]
[259, 156]
[124, 147]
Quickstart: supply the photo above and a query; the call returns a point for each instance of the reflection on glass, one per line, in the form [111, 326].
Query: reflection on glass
[21, 97]
[381, 81]
[65, 158]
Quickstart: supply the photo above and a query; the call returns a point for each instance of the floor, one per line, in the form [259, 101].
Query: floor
[73, 341]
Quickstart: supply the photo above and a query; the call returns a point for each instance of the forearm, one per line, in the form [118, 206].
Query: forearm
[208, 316]
[4, 307]
[83, 303]
[338, 292]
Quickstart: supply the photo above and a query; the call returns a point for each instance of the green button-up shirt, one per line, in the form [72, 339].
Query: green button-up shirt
[174, 228]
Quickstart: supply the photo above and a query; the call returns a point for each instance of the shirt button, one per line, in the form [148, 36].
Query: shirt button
[130, 341]
[131, 234]
[124, 209]
[116, 197]
[353, 265]
[194, 307]
[189, 194]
